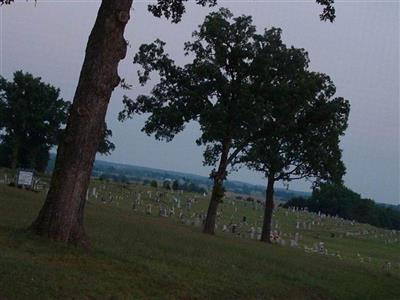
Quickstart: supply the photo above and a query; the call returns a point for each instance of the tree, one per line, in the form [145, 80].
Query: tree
[212, 90]
[61, 217]
[215, 89]
[167, 184]
[31, 117]
[302, 120]
[154, 184]
[175, 185]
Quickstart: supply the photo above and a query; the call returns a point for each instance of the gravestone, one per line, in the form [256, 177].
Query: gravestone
[233, 228]
[148, 209]
[25, 178]
[259, 231]
[252, 233]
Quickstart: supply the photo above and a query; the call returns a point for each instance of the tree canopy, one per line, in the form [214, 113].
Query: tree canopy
[32, 116]
[300, 119]
[106, 146]
[302, 124]
[174, 9]
[244, 89]
[213, 90]
[32, 121]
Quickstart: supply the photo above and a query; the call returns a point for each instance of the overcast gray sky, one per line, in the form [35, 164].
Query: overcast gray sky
[360, 51]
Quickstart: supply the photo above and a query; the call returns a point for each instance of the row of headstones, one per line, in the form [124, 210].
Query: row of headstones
[253, 233]
[319, 214]
[307, 225]
[5, 179]
[339, 222]
[164, 211]
[253, 204]
[159, 197]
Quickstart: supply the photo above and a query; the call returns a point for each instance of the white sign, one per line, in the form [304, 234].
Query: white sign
[25, 178]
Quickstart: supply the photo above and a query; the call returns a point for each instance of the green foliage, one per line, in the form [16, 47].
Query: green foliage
[32, 120]
[175, 185]
[106, 146]
[244, 88]
[214, 89]
[174, 9]
[328, 13]
[192, 187]
[153, 183]
[167, 184]
[301, 120]
[31, 117]
[114, 177]
[339, 200]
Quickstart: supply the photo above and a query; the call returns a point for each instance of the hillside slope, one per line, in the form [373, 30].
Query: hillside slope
[136, 256]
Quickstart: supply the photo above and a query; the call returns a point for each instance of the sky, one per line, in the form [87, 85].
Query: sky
[360, 51]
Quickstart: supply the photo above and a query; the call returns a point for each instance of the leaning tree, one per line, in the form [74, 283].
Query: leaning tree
[303, 123]
[61, 217]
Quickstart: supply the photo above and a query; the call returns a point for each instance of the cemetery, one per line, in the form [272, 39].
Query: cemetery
[144, 235]
[238, 102]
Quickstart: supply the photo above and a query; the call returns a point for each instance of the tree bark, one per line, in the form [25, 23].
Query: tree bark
[218, 189]
[216, 196]
[269, 207]
[61, 217]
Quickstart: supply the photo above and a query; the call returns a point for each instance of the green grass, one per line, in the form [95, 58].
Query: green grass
[136, 256]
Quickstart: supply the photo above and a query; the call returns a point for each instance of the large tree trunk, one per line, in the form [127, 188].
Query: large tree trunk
[269, 207]
[218, 189]
[61, 217]
[216, 197]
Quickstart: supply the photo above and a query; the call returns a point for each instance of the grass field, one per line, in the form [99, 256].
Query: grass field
[139, 256]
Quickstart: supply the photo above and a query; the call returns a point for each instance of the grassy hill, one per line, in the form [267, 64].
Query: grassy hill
[140, 256]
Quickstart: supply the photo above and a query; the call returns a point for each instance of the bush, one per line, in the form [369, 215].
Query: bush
[153, 183]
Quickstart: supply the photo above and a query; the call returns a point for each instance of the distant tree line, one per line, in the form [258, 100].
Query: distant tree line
[114, 177]
[187, 186]
[175, 186]
[343, 202]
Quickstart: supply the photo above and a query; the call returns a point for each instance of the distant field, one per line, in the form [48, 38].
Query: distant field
[140, 256]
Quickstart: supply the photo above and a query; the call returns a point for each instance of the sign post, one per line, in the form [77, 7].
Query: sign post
[25, 177]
